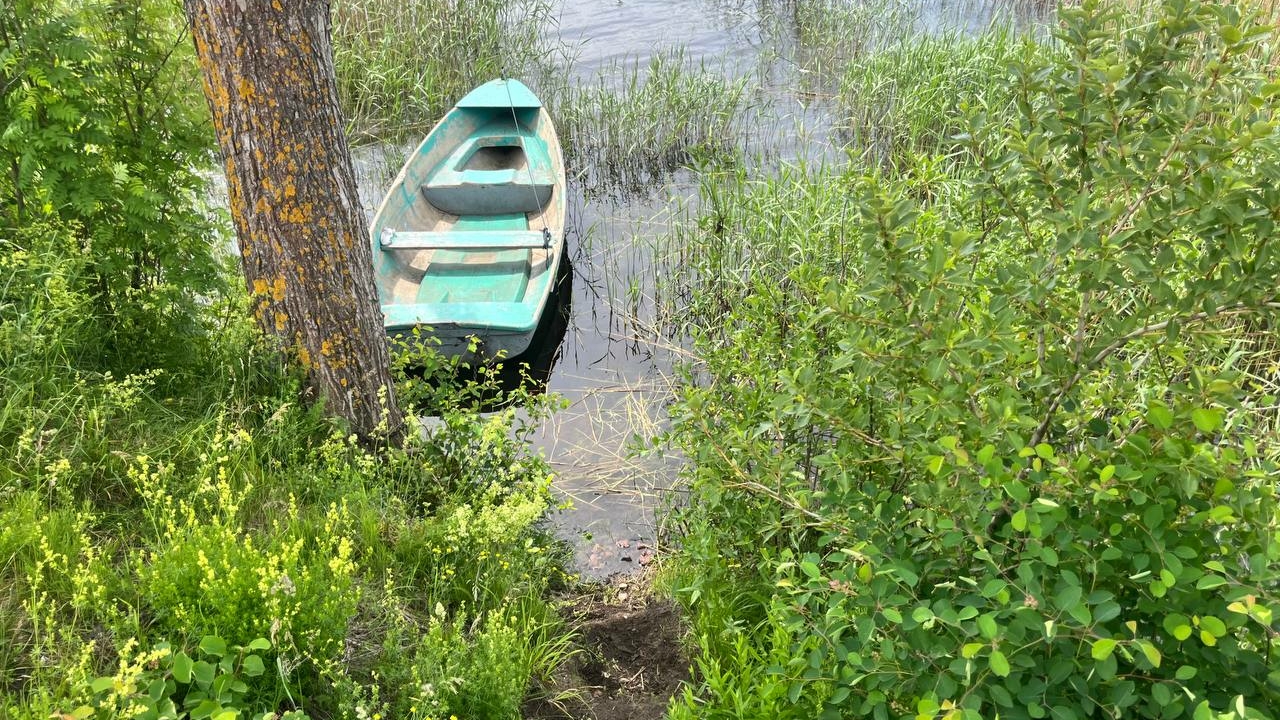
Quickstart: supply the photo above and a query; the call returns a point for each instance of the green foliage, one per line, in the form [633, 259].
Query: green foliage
[1002, 443]
[207, 574]
[164, 685]
[165, 489]
[402, 63]
[466, 669]
[912, 99]
[103, 129]
[639, 122]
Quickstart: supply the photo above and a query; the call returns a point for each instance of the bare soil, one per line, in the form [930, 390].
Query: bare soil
[631, 660]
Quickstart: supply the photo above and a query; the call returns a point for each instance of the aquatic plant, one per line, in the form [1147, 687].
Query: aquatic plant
[635, 123]
[914, 99]
[401, 65]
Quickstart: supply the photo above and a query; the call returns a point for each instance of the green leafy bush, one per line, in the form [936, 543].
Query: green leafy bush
[1008, 450]
[102, 128]
[208, 575]
[165, 685]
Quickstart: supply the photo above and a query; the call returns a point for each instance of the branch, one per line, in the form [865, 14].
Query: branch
[1123, 340]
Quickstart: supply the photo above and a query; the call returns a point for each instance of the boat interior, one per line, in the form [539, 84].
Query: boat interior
[470, 220]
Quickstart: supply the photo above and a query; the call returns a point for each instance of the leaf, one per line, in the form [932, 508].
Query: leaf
[1178, 626]
[793, 692]
[1019, 521]
[102, 684]
[203, 673]
[971, 650]
[253, 666]
[810, 569]
[1208, 582]
[260, 644]
[892, 615]
[182, 667]
[1207, 420]
[1103, 648]
[1213, 625]
[987, 626]
[993, 587]
[1160, 417]
[213, 645]
[205, 709]
[1150, 651]
[999, 663]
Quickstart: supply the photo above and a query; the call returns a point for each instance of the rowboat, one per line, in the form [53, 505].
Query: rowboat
[469, 236]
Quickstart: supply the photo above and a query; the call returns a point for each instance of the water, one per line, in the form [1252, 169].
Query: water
[616, 370]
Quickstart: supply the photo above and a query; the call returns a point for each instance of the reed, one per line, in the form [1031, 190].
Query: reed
[635, 123]
[915, 98]
[401, 64]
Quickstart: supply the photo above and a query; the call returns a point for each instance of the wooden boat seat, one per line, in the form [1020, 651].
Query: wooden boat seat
[500, 168]
[462, 240]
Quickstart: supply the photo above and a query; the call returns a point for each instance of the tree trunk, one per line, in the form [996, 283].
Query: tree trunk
[268, 75]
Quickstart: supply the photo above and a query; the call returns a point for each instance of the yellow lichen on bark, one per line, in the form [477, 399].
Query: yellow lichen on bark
[248, 92]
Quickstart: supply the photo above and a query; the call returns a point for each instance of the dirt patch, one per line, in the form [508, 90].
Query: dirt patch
[631, 661]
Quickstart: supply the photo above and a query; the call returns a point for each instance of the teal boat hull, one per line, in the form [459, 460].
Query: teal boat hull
[468, 238]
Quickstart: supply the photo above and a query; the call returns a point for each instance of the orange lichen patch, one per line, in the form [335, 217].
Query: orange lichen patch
[326, 348]
[260, 287]
[304, 357]
[247, 90]
[277, 289]
[281, 320]
[296, 215]
[342, 382]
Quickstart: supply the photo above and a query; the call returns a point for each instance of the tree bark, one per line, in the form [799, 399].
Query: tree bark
[269, 78]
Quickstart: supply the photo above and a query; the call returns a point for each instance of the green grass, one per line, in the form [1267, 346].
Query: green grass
[915, 98]
[402, 64]
[635, 123]
[203, 497]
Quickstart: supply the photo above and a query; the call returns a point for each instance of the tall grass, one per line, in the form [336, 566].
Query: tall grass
[636, 123]
[402, 63]
[822, 37]
[915, 98]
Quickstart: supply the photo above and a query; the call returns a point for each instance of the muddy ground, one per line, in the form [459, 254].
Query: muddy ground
[631, 660]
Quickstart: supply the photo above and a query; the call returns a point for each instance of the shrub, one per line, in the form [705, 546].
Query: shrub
[1012, 454]
[103, 128]
[208, 575]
